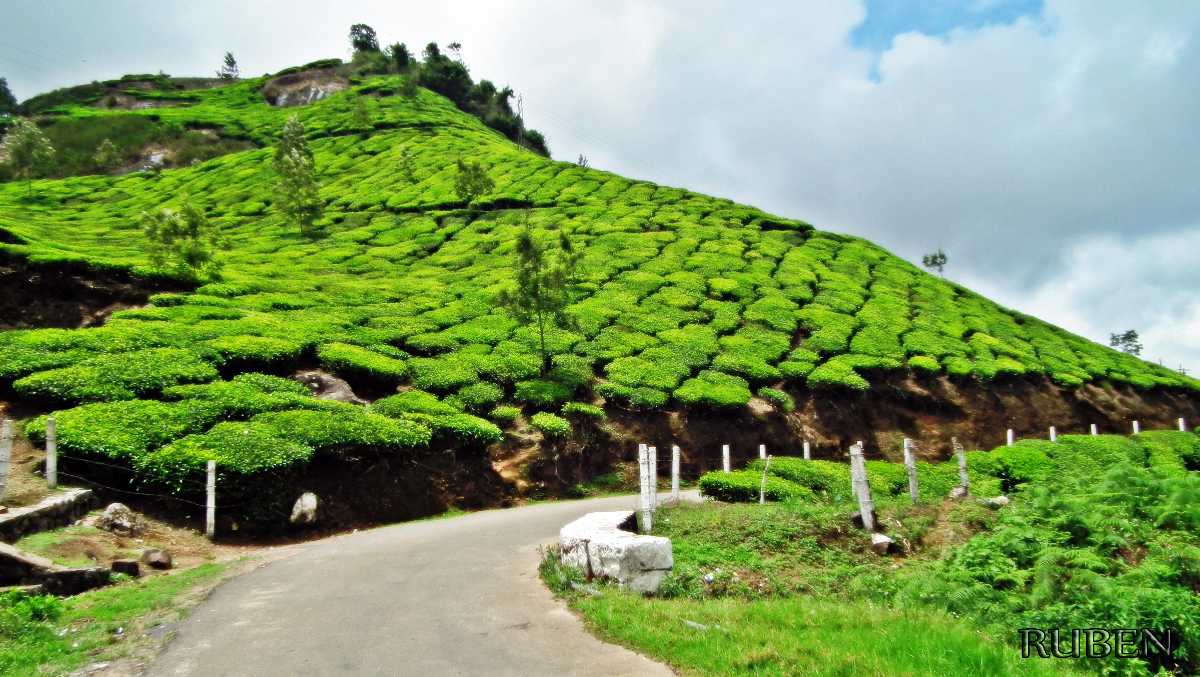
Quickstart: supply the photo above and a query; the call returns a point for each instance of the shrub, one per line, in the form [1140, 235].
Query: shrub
[505, 413]
[449, 372]
[638, 398]
[550, 425]
[116, 376]
[779, 399]
[583, 410]
[123, 431]
[714, 389]
[924, 363]
[245, 395]
[459, 428]
[480, 395]
[412, 402]
[821, 477]
[542, 393]
[254, 350]
[243, 448]
[742, 486]
[354, 361]
[346, 428]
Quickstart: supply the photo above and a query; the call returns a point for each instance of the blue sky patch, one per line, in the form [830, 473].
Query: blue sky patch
[888, 18]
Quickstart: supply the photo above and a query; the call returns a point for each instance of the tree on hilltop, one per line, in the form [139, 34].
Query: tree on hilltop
[298, 198]
[400, 57]
[27, 151]
[542, 286]
[363, 39]
[8, 102]
[1126, 342]
[935, 261]
[229, 69]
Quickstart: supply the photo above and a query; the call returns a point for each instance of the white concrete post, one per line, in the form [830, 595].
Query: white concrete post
[808, 450]
[1136, 428]
[1093, 429]
[51, 453]
[1182, 425]
[910, 464]
[674, 473]
[210, 503]
[6, 443]
[1010, 437]
[652, 463]
[725, 457]
[862, 488]
[762, 451]
[964, 480]
[644, 487]
[762, 485]
[1053, 434]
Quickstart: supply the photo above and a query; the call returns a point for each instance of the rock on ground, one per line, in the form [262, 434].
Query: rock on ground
[119, 519]
[325, 386]
[157, 558]
[305, 509]
[597, 547]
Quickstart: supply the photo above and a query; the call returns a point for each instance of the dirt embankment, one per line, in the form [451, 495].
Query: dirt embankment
[929, 411]
[33, 295]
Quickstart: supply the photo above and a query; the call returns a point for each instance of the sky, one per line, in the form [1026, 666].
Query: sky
[1051, 148]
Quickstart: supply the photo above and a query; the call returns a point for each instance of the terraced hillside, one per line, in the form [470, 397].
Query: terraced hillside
[688, 307]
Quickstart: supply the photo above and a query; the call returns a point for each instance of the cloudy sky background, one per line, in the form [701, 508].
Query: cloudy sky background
[1051, 148]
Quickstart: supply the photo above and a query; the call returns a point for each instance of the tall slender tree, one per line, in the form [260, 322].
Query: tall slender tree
[542, 284]
[298, 198]
[229, 68]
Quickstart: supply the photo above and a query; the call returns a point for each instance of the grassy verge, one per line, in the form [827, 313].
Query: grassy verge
[790, 635]
[45, 635]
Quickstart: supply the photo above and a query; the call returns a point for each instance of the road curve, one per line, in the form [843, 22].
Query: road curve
[441, 597]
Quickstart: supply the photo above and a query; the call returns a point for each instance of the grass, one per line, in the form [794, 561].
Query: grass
[1101, 533]
[99, 625]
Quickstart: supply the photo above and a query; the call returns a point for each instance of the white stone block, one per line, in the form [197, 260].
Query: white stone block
[597, 546]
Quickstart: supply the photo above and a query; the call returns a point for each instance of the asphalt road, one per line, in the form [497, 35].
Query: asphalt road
[458, 596]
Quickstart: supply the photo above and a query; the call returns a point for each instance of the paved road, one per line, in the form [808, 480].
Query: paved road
[442, 597]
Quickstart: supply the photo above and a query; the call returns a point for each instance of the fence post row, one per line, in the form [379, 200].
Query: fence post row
[1053, 434]
[1093, 429]
[862, 488]
[51, 453]
[210, 503]
[674, 473]
[1182, 425]
[808, 450]
[6, 443]
[1010, 437]
[1136, 428]
[725, 457]
[964, 480]
[910, 465]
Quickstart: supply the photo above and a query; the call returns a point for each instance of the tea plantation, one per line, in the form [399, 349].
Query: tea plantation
[684, 300]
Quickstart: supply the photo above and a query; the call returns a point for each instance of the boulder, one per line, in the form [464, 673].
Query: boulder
[326, 386]
[597, 546]
[880, 544]
[156, 558]
[305, 509]
[958, 492]
[119, 519]
[126, 566]
[996, 502]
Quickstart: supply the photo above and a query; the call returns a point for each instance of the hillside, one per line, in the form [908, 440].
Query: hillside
[688, 305]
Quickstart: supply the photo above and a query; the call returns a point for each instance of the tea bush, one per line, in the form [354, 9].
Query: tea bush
[743, 485]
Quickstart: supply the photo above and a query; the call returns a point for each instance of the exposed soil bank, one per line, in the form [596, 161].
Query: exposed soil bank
[38, 295]
[928, 410]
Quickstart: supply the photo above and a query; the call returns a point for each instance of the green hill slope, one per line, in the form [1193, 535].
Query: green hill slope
[687, 300]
